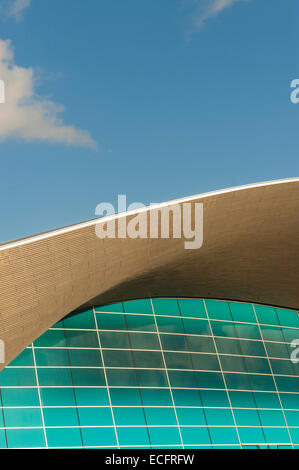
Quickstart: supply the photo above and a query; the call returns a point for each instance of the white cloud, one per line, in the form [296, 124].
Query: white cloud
[17, 7]
[27, 116]
[206, 9]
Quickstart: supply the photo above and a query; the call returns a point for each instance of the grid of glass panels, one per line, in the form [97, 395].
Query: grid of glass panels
[157, 373]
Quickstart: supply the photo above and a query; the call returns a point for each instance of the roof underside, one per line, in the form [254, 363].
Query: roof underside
[249, 253]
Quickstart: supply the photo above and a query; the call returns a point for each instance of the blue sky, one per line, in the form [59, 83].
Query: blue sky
[176, 97]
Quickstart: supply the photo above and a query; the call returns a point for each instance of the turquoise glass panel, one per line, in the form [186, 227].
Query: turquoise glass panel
[229, 437]
[99, 437]
[125, 397]
[107, 321]
[166, 307]
[158, 397]
[25, 438]
[51, 339]
[23, 397]
[118, 381]
[118, 308]
[242, 312]
[137, 436]
[191, 416]
[81, 321]
[164, 436]
[247, 418]
[129, 416]
[22, 417]
[144, 341]
[24, 359]
[56, 396]
[251, 435]
[193, 435]
[187, 398]
[95, 416]
[288, 317]
[266, 315]
[91, 396]
[138, 306]
[64, 437]
[18, 377]
[219, 417]
[192, 308]
[218, 310]
[61, 417]
[140, 322]
[170, 325]
[156, 416]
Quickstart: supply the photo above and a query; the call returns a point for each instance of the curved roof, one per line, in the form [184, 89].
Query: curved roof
[249, 253]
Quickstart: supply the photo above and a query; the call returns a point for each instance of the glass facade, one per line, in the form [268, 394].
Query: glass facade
[157, 373]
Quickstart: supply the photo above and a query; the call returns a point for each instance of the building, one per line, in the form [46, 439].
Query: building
[140, 343]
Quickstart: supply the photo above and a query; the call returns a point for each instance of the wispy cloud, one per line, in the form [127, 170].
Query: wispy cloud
[16, 8]
[203, 10]
[27, 116]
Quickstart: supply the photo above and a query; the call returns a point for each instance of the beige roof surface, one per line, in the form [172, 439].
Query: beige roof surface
[249, 253]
